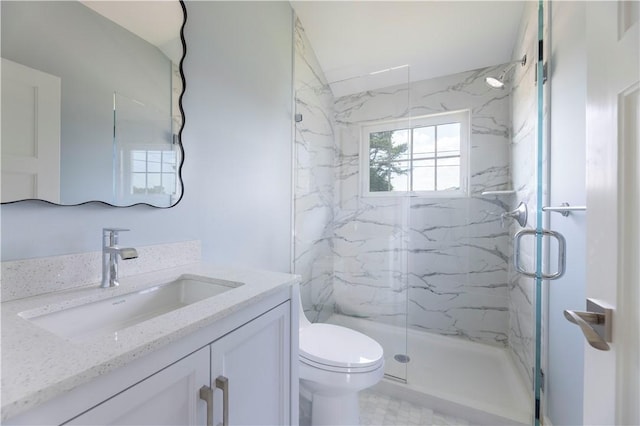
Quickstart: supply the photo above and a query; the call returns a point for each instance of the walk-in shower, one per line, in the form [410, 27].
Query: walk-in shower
[404, 195]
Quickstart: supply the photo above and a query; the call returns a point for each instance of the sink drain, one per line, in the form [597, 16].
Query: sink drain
[402, 358]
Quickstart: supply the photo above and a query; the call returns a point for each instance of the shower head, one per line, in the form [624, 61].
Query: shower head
[495, 82]
[498, 82]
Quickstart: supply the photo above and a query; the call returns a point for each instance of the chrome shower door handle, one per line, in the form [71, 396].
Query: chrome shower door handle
[516, 251]
[562, 253]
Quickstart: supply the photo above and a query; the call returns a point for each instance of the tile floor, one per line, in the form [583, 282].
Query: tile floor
[377, 409]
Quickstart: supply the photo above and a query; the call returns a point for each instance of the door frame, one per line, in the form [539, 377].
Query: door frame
[610, 392]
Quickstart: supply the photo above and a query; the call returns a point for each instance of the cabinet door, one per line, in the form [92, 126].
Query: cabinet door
[254, 360]
[169, 397]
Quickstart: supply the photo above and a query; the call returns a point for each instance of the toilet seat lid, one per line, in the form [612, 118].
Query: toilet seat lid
[337, 346]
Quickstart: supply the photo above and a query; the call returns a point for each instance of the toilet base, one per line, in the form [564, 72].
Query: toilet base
[334, 395]
[342, 410]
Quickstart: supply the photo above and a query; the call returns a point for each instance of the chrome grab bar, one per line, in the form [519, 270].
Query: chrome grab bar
[562, 253]
[595, 323]
[564, 209]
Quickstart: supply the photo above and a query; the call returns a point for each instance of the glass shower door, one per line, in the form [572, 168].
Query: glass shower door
[529, 168]
[540, 197]
[350, 245]
[372, 210]
[545, 240]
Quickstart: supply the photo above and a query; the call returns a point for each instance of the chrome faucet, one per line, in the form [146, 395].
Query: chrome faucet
[110, 253]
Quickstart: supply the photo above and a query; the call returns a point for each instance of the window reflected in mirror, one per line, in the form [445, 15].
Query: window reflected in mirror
[106, 87]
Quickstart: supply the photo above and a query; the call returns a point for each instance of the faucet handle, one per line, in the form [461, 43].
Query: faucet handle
[110, 236]
[114, 230]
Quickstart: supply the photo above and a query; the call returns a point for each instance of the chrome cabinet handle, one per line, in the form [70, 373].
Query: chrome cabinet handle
[562, 253]
[595, 323]
[206, 394]
[223, 384]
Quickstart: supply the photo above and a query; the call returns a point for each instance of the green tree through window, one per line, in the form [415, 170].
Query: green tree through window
[382, 161]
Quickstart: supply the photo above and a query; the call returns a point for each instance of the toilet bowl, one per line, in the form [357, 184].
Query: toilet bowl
[335, 364]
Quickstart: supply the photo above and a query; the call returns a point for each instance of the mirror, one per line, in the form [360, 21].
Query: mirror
[91, 101]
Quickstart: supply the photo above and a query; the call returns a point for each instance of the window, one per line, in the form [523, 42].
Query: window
[153, 172]
[425, 156]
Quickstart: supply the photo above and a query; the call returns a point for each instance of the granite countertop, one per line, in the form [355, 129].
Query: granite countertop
[38, 365]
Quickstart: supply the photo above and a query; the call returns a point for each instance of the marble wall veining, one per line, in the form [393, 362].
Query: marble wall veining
[524, 158]
[371, 234]
[448, 255]
[436, 264]
[313, 181]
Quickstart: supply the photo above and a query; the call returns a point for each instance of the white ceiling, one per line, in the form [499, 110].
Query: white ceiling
[156, 21]
[435, 38]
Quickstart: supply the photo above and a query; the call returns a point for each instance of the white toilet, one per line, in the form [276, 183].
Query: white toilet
[335, 364]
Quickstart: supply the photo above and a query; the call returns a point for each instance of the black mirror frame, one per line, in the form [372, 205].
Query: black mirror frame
[179, 174]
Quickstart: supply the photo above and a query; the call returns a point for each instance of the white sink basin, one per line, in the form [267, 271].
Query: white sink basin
[111, 315]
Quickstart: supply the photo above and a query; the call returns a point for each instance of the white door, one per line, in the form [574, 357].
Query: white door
[30, 133]
[169, 397]
[251, 367]
[612, 378]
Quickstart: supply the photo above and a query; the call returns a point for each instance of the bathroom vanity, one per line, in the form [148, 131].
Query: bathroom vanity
[187, 351]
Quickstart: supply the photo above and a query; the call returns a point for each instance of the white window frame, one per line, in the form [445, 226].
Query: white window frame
[125, 173]
[461, 116]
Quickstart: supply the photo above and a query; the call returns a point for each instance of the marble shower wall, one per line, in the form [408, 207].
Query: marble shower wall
[314, 182]
[371, 234]
[363, 256]
[524, 175]
[449, 254]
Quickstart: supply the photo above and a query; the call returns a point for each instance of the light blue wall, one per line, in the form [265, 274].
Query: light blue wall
[237, 139]
[568, 79]
[239, 100]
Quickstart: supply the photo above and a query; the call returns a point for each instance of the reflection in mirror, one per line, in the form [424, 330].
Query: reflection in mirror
[91, 101]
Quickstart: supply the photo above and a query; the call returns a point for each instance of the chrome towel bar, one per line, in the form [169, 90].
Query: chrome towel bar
[564, 209]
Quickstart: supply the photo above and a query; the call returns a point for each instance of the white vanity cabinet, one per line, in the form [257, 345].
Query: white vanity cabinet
[251, 368]
[247, 371]
[169, 397]
[246, 368]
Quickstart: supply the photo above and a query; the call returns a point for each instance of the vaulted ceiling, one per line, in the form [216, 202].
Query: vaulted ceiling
[435, 38]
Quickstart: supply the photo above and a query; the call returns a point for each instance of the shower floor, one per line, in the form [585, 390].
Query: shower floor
[470, 380]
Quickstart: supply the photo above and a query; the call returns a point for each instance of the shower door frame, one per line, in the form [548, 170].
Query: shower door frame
[541, 199]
